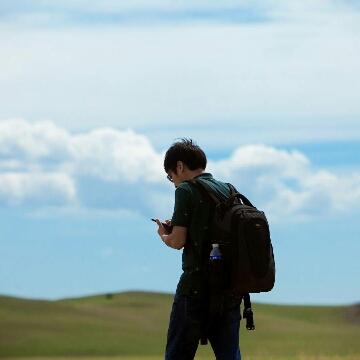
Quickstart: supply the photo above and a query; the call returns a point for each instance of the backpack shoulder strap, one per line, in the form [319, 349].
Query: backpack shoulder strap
[248, 313]
[242, 197]
[206, 190]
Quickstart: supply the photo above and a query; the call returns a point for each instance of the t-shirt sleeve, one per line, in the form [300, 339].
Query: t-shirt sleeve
[182, 208]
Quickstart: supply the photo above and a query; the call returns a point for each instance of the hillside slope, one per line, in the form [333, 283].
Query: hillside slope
[135, 323]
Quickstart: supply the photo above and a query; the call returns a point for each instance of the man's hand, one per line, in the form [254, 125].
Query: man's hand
[161, 230]
[176, 239]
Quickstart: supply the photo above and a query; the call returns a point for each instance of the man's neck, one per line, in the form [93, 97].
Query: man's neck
[195, 173]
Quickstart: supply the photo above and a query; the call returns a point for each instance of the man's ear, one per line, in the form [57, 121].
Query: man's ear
[180, 166]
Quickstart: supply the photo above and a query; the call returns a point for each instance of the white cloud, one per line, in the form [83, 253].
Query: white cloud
[59, 14]
[43, 164]
[263, 157]
[115, 7]
[36, 188]
[287, 185]
[298, 74]
[32, 141]
[113, 155]
[118, 173]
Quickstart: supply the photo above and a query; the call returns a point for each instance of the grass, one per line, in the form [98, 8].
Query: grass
[133, 326]
[244, 357]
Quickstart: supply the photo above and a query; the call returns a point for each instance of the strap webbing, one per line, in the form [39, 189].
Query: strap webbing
[216, 197]
[243, 198]
[210, 193]
[248, 313]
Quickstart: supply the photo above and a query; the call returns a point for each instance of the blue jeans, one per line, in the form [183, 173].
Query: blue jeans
[185, 330]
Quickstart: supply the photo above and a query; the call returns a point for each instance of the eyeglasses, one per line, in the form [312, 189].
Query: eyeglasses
[169, 178]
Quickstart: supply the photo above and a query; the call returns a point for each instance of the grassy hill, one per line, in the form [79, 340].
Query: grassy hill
[135, 324]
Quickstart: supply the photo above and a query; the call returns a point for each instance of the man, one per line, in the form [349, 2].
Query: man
[191, 219]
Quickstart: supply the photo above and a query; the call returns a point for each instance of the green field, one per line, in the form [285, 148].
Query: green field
[133, 326]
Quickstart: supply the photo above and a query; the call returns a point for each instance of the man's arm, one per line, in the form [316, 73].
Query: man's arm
[176, 239]
[180, 220]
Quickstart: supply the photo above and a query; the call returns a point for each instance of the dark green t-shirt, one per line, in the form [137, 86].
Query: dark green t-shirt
[194, 211]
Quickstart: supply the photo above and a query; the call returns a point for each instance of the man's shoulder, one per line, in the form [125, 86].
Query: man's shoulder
[187, 188]
[190, 188]
[218, 186]
[185, 185]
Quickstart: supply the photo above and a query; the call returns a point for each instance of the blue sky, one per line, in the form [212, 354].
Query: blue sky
[93, 94]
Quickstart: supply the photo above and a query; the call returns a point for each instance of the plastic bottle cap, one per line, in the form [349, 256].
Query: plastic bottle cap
[215, 245]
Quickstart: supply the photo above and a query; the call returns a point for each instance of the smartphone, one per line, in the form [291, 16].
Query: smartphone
[167, 227]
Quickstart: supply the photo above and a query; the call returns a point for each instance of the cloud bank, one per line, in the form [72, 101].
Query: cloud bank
[113, 171]
[151, 12]
[295, 75]
[82, 12]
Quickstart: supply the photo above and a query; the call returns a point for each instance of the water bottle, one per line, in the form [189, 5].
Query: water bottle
[215, 253]
[215, 269]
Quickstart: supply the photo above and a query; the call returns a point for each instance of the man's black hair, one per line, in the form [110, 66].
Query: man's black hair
[186, 151]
